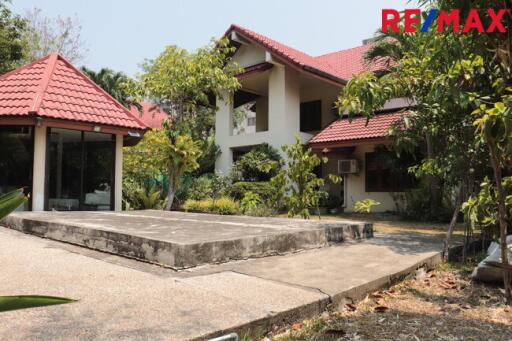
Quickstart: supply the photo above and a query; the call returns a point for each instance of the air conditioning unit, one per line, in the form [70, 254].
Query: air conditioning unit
[348, 166]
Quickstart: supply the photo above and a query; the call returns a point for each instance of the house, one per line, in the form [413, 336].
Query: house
[61, 137]
[287, 93]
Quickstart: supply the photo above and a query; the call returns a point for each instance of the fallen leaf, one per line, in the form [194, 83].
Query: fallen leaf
[465, 306]
[379, 301]
[380, 309]
[377, 295]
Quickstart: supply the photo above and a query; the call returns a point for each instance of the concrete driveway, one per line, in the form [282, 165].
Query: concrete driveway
[121, 298]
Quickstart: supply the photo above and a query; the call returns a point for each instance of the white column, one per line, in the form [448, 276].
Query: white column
[283, 106]
[118, 174]
[223, 132]
[39, 170]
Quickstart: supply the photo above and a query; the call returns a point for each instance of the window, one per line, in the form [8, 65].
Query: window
[251, 121]
[16, 158]
[386, 173]
[81, 170]
[311, 116]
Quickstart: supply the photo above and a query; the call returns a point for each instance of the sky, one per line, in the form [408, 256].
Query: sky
[121, 34]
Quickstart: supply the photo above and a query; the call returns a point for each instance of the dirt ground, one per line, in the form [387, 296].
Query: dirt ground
[444, 304]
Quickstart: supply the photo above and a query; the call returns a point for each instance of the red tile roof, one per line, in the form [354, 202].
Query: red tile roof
[339, 66]
[53, 88]
[343, 130]
[350, 62]
[152, 116]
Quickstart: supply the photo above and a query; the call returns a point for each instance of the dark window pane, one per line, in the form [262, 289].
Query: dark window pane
[310, 116]
[65, 169]
[16, 157]
[387, 173]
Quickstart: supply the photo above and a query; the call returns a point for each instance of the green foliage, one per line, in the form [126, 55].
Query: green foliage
[12, 28]
[481, 210]
[11, 201]
[261, 188]
[171, 158]
[224, 206]
[117, 84]
[250, 201]
[145, 198]
[303, 185]
[260, 164]
[365, 206]
[8, 303]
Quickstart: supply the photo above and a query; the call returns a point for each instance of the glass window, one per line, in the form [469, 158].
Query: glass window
[387, 173]
[16, 159]
[81, 170]
[311, 116]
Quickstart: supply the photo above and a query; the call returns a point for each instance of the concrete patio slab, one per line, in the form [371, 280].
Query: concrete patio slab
[181, 240]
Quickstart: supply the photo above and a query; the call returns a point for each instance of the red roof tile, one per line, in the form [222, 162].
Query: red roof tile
[152, 116]
[51, 87]
[340, 65]
[350, 62]
[344, 130]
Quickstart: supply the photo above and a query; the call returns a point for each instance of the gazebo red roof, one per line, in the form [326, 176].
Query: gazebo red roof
[52, 88]
[152, 116]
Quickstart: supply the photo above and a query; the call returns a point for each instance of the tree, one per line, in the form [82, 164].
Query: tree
[303, 185]
[172, 158]
[12, 28]
[117, 84]
[448, 75]
[46, 35]
[184, 84]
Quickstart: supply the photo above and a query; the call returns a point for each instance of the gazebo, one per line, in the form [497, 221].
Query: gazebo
[61, 137]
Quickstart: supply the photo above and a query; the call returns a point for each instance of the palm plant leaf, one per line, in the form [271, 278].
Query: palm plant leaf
[11, 201]
[8, 303]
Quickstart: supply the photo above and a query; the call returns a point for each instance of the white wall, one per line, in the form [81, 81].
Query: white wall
[118, 174]
[356, 190]
[249, 55]
[39, 170]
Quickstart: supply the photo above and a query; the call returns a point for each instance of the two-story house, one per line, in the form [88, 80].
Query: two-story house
[287, 93]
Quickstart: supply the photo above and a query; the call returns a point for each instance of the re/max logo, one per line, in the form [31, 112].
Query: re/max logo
[412, 20]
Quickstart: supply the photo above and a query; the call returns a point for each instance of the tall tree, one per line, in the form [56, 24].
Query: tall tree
[184, 85]
[449, 74]
[12, 28]
[45, 35]
[117, 84]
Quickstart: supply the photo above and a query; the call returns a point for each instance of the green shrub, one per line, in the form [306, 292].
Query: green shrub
[261, 188]
[365, 206]
[260, 164]
[250, 201]
[260, 211]
[224, 205]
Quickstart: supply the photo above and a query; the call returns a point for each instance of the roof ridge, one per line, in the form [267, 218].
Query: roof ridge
[45, 80]
[99, 88]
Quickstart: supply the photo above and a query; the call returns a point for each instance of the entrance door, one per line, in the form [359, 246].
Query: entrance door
[81, 170]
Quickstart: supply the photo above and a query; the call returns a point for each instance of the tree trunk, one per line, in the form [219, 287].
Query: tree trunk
[449, 233]
[170, 194]
[433, 182]
[502, 214]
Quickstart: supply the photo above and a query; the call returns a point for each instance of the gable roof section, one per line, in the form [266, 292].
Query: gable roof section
[343, 130]
[53, 88]
[338, 66]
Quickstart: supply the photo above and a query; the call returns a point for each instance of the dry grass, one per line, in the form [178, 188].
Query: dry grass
[389, 223]
[443, 304]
